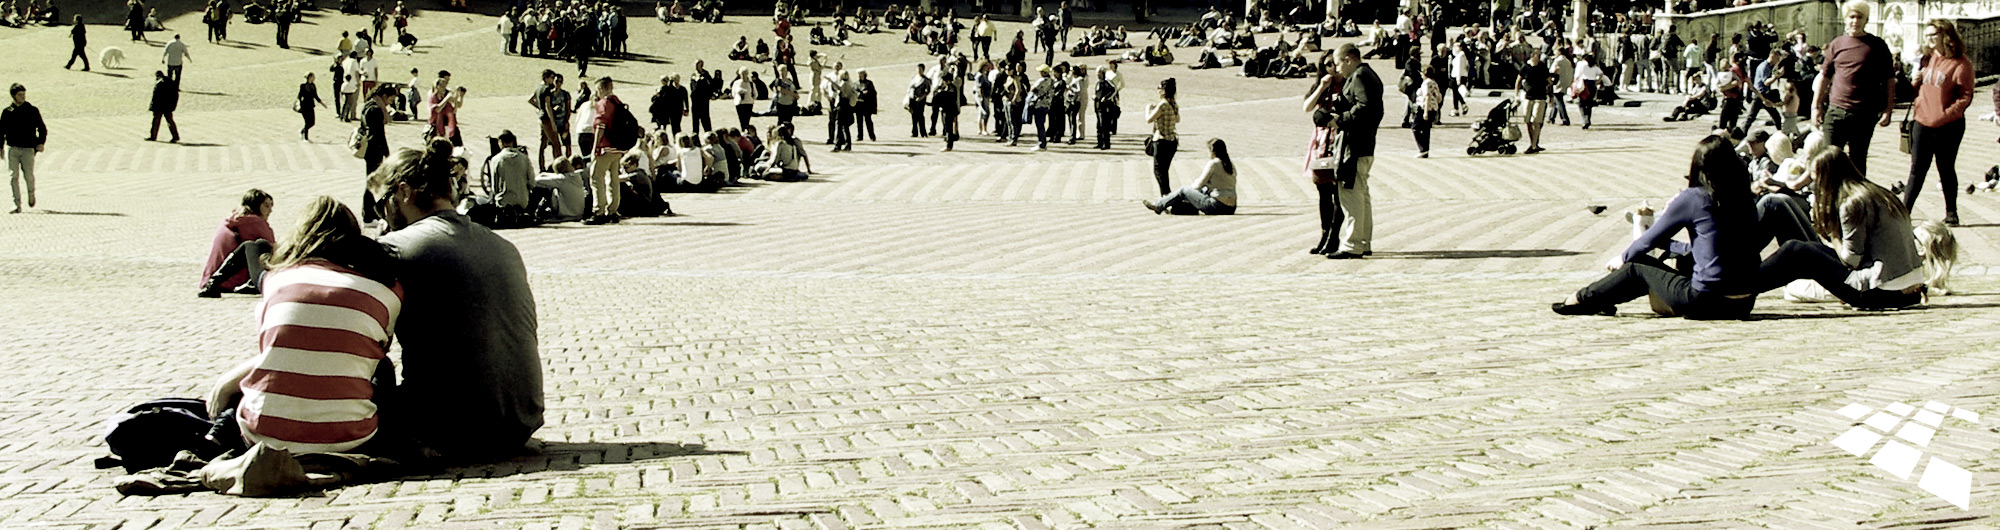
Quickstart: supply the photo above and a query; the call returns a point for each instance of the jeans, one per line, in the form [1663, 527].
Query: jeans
[1163, 159]
[1329, 211]
[1104, 118]
[1757, 105]
[917, 120]
[1853, 130]
[1556, 100]
[248, 256]
[1784, 217]
[1041, 119]
[1200, 200]
[1808, 260]
[1357, 234]
[1940, 143]
[21, 167]
[1647, 274]
[75, 54]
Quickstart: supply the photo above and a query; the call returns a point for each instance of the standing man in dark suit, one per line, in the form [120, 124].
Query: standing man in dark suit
[1358, 113]
[701, 91]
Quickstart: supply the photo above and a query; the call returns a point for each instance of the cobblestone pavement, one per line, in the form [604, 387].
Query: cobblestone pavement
[999, 339]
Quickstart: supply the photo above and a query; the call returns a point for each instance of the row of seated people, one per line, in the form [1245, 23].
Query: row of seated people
[1096, 41]
[515, 195]
[17, 16]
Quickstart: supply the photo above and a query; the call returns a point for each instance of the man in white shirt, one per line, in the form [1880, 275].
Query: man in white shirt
[367, 73]
[175, 56]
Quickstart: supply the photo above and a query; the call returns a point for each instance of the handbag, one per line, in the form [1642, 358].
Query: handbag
[1149, 146]
[1325, 165]
[358, 143]
[1907, 127]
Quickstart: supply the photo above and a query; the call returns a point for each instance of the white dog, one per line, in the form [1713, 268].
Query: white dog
[111, 57]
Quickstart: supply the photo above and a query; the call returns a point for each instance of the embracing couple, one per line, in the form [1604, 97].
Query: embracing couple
[454, 293]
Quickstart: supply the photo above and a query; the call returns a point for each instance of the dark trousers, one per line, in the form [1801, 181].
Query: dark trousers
[864, 126]
[1940, 143]
[1757, 105]
[1852, 130]
[699, 119]
[1732, 109]
[77, 53]
[917, 120]
[1421, 129]
[1647, 274]
[172, 128]
[1041, 119]
[743, 116]
[1104, 118]
[1807, 260]
[673, 123]
[842, 121]
[249, 256]
[1163, 160]
[174, 71]
[948, 115]
[982, 47]
[306, 112]
[373, 160]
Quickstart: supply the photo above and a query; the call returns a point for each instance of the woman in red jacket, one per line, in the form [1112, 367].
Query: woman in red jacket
[1944, 90]
[236, 254]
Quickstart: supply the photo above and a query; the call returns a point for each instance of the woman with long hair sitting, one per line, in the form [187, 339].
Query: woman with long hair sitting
[1720, 217]
[330, 302]
[1874, 264]
[1214, 194]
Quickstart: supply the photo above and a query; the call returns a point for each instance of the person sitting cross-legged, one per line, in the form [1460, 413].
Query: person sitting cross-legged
[472, 373]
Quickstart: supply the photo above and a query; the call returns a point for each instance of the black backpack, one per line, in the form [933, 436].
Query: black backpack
[149, 434]
[625, 131]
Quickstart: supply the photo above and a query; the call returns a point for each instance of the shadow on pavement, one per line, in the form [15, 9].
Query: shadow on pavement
[565, 456]
[1477, 254]
[94, 214]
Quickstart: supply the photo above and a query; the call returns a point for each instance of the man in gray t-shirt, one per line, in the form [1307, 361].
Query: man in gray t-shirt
[472, 375]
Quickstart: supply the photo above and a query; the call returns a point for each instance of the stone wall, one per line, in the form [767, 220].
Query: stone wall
[1820, 18]
[1982, 43]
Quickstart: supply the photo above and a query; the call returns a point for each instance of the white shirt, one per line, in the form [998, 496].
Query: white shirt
[1589, 72]
[351, 84]
[175, 52]
[367, 72]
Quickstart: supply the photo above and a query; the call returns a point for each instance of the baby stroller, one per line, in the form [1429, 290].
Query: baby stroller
[1497, 133]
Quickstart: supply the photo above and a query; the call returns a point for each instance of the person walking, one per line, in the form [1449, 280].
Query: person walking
[1164, 117]
[1358, 117]
[174, 56]
[76, 39]
[22, 129]
[1563, 71]
[1588, 78]
[166, 97]
[307, 99]
[1853, 93]
[1430, 99]
[1944, 90]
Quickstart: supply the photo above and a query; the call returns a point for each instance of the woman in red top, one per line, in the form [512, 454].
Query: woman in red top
[236, 254]
[1944, 90]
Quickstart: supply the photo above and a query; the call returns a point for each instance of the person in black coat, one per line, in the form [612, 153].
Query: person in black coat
[669, 104]
[166, 96]
[308, 98]
[76, 37]
[864, 111]
[374, 122]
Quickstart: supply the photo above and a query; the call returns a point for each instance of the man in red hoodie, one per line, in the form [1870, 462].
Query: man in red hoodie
[236, 255]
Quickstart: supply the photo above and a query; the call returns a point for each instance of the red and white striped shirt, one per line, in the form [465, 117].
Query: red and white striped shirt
[322, 330]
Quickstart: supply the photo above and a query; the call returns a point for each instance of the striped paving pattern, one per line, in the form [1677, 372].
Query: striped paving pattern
[995, 338]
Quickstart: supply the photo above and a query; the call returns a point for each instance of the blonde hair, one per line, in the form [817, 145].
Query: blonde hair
[1940, 251]
[1858, 6]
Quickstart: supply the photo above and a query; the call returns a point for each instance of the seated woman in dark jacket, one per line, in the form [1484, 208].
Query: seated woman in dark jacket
[1720, 217]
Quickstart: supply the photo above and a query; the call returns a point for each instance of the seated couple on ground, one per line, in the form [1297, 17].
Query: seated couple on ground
[1214, 194]
[454, 293]
[1876, 262]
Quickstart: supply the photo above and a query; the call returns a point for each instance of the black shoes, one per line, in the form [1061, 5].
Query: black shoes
[1343, 255]
[602, 220]
[1950, 219]
[1582, 310]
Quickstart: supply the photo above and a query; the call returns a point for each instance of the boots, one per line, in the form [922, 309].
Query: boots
[1326, 243]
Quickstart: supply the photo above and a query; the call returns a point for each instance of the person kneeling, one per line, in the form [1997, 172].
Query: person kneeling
[1215, 194]
[322, 371]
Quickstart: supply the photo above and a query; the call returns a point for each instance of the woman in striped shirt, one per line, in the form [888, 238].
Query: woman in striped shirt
[330, 304]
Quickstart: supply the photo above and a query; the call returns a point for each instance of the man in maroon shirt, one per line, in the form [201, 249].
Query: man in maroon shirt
[1854, 94]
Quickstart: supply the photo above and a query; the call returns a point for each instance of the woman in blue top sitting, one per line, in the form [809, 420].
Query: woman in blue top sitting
[1720, 216]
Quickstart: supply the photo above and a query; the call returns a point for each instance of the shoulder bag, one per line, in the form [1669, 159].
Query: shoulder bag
[1907, 127]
